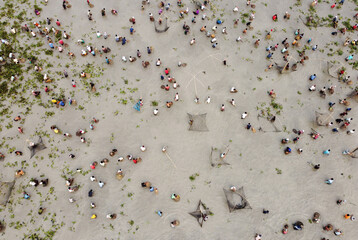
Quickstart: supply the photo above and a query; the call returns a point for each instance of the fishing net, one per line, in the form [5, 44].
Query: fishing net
[282, 69]
[322, 119]
[197, 122]
[269, 123]
[354, 95]
[197, 3]
[332, 69]
[215, 157]
[5, 192]
[236, 200]
[201, 213]
[36, 147]
[160, 28]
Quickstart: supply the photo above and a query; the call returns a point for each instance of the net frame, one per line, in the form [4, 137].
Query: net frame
[5, 192]
[201, 209]
[165, 24]
[322, 119]
[198, 122]
[231, 202]
[37, 147]
[219, 162]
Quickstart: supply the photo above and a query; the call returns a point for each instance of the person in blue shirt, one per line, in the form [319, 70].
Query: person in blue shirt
[26, 196]
[327, 152]
[350, 57]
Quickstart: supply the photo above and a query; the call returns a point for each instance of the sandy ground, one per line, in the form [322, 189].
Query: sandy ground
[294, 195]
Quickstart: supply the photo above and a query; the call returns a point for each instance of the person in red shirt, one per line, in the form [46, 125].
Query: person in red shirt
[167, 71]
[274, 17]
[93, 165]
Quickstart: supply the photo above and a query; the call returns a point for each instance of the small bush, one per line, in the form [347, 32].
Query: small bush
[49, 52]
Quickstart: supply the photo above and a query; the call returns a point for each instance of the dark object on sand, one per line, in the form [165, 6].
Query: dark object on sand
[36, 147]
[2, 227]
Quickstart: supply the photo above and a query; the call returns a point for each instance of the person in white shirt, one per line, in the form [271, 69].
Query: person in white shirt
[244, 115]
[312, 88]
[350, 132]
[233, 90]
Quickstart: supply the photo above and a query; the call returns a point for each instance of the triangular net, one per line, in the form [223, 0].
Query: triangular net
[215, 159]
[200, 213]
[197, 122]
[236, 200]
[322, 119]
[36, 147]
[5, 192]
[268, 123]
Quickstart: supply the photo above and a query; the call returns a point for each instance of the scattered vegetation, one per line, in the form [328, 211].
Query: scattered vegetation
[193, 177]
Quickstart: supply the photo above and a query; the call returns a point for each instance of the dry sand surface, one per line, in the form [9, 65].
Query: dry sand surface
[286, 185]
